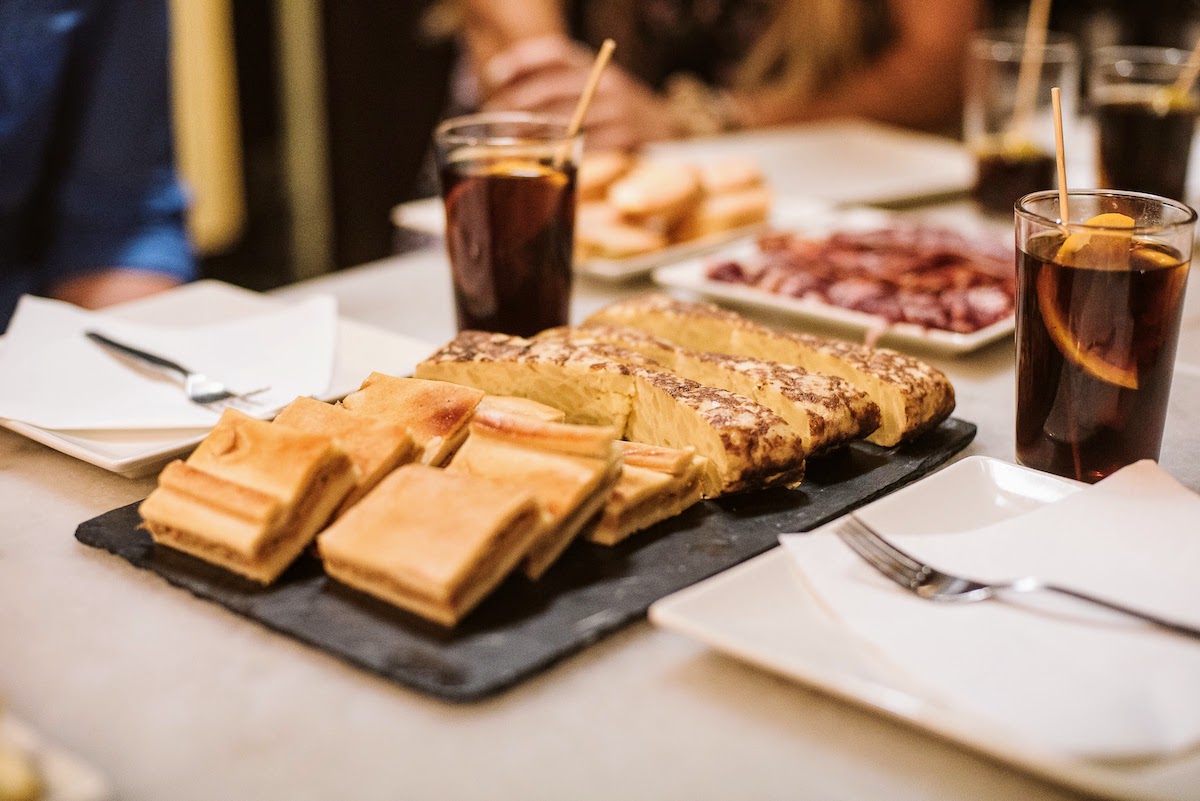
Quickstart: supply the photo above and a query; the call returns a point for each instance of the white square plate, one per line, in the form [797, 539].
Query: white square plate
[814, 221]
[760, 612]
[361, 349]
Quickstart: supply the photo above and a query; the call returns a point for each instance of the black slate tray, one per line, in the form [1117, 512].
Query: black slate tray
[524, 627]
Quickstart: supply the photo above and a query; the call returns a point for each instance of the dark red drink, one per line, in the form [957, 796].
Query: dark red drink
[1002, 178]
[1145, 139]
[510, 234]
[1096, 344]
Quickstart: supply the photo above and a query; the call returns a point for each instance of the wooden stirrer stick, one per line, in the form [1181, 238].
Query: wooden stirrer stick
[1064, 214]
[1032, 56]
[585, 99]
[1191, 70]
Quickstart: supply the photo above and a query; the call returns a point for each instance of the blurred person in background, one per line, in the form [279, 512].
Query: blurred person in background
[699, 67]
[91, 210]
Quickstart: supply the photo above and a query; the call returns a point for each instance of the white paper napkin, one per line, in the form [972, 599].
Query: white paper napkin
[1053, 672]
[53, 377]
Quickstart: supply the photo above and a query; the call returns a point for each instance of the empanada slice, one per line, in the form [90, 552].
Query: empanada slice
[568, 468]
[374, 445]
[436, 413]
[431, 541]
[250, 497]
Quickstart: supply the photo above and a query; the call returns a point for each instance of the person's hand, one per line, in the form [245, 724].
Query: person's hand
[547, 75]
[114, 285]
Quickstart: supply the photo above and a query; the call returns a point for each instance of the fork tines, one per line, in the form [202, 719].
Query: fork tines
[885, 557]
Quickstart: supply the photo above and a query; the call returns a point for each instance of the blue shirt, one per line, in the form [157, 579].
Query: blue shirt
[87, 177]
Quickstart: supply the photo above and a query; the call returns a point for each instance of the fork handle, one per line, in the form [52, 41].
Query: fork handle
[1169, 625]
[140, 355]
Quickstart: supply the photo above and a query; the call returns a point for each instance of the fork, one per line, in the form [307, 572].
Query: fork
[935, 585]
[199, 388]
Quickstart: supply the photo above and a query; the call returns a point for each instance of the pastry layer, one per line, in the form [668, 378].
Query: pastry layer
[414, 542]
[912, 396]
[436, 413]
[524, 406]
[374, 445]
[569, 469]
[251, 496]
[655, 484]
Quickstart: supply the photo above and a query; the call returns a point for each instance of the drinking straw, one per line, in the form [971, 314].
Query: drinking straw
[1032, 55]
[585, 99]
[1183, 84]
[1064, 215]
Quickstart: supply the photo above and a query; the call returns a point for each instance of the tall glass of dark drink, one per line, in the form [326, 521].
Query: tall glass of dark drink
[1014, 151]
[1145, 126]
[1099, 302]
[508, 184]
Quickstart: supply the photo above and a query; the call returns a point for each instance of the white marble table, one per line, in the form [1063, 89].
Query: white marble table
[175, 698]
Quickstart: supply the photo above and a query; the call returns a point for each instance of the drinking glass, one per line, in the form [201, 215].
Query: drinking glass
[508, 184]
[1144, 126]
[1099, 302]
[1014, 157]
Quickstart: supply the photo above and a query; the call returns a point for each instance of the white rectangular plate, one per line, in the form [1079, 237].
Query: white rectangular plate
[361, 349]
[760, 612]
[842, 161]
[692, 276]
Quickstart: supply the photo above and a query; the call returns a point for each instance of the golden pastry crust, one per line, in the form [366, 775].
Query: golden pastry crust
[414, 543]
[656, 483]
[507, 404]
[251, 497]
[374, 445]
[912, 396]
[569, 469]
[434, 412]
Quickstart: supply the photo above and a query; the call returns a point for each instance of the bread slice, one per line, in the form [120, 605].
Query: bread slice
[250, 497]
[569, 469]
[374, 445]
[656, 484]
[656, 192]
[724, 212]
[912, 396]
[597, 171]
[414, 542]
[747, 445]
[436, 413]
[826, 411]
[616, 240]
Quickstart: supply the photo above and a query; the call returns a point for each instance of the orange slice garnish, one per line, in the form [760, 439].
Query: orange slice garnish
[1103, 250]
[1099, 249]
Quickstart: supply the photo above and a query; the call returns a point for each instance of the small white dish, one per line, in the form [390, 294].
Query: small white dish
[692, 276]
[361, 349]
[760, 612]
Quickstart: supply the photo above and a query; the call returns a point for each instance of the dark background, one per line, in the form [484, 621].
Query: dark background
[387, 86]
